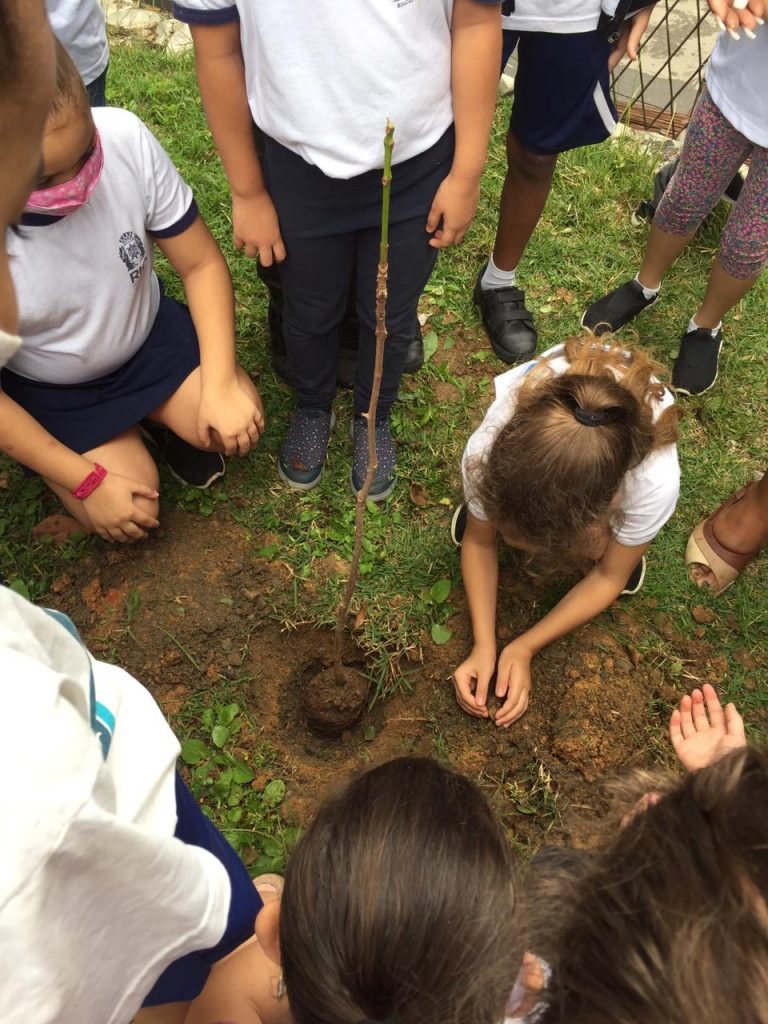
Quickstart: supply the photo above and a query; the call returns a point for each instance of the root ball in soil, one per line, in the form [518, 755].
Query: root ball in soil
[331, 705]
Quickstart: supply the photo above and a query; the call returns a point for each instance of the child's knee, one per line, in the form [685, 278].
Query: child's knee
[535, 168]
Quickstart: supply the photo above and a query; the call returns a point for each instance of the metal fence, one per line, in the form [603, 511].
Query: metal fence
[658, 91]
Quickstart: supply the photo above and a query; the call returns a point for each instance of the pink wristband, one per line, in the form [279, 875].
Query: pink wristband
[91, 482]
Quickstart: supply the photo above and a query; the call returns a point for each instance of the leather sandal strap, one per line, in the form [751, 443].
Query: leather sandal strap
[735, 559]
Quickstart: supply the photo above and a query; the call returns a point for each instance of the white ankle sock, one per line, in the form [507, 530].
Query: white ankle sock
[647, 292]
[693, 326]
[495, 278]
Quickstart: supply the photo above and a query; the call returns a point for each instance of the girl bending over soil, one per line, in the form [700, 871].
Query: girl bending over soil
[575, 464]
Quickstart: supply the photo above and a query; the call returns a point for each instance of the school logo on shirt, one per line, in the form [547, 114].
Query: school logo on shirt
[133, 254]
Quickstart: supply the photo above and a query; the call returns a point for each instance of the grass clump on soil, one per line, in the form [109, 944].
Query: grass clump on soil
[409, 605]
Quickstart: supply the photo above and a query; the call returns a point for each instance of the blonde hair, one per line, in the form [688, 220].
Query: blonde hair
[555, 467]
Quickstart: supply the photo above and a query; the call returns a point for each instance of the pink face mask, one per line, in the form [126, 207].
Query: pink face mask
[68, 196]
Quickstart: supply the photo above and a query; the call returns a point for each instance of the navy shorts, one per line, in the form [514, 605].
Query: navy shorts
[562, 90]
[184, 979]
[85, 416]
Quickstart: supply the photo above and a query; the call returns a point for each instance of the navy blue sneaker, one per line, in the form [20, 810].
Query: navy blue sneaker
[301, 460]
[386, 458]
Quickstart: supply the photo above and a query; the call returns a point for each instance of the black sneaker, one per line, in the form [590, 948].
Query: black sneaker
[301, 460]
[617, 308]
[386, 459]
[459, 524]
[191, 466]
[414, 357]
[636, 579]
[509, 324]
[695, 369]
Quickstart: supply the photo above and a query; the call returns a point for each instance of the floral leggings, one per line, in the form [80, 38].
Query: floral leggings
[712, 153]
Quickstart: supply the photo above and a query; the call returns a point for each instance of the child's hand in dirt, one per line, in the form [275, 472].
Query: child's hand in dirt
[452, 210]
[701, 733]
[256, 228]
[472, 678]
[513, 682]
[233, 415]
[114, 513]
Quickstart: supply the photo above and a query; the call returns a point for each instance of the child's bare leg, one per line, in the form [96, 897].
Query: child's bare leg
[125, 455]
[168, 1013]
[179, 412]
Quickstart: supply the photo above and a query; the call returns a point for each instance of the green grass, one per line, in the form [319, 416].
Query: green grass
[585, 244]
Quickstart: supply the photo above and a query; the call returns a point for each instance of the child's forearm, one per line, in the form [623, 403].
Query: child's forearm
[475, 63]
[23, 439]
[480, 570]
[221, 79]
[581, 604]
[198, 261]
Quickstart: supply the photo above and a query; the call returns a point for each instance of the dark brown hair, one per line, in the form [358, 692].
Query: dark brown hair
[549, 477]
[69, 88]
[398, 904]
[671, 924]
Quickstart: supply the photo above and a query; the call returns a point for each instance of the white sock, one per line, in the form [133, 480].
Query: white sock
[495, 278]
[693, 326]
[648, 293]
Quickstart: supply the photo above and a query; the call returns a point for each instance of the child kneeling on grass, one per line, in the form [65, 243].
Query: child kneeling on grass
[398, 906]
[575, 464]
[102, 347]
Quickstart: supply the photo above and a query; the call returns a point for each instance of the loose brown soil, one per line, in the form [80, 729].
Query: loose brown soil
[200, 620]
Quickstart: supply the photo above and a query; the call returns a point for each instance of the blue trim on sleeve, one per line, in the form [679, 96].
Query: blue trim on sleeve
[181, 225]
[222, 16]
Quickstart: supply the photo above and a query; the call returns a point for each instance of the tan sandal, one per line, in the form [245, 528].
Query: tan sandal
[704, 549]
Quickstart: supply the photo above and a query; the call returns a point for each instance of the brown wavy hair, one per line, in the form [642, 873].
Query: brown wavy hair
[399, 904]
[549, 478]
[671, 921]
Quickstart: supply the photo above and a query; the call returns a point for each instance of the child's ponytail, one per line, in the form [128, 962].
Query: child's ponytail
[555, 469]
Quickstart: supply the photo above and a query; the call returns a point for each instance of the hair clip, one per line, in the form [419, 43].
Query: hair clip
[590, 417]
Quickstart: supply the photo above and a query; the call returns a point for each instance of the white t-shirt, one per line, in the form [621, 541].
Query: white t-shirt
[323, 77]
[86, 290]
[649, 492]
[97, 897]
[737, 79]
[562, 17]
[80, 26]
[9, 344]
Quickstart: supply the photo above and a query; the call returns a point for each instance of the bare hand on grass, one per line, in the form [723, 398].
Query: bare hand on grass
[701, 732]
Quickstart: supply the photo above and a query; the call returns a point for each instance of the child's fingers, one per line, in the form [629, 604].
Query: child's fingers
[278, 249]
[734, 723]
[462, 685]
[264, 253]
[433, 219]
[686, 719]
[714, 707]
[675, 729]
[146, 492]
[699, 712]
[512, 709]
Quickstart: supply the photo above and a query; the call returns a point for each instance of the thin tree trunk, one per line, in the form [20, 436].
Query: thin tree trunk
[370, 415]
